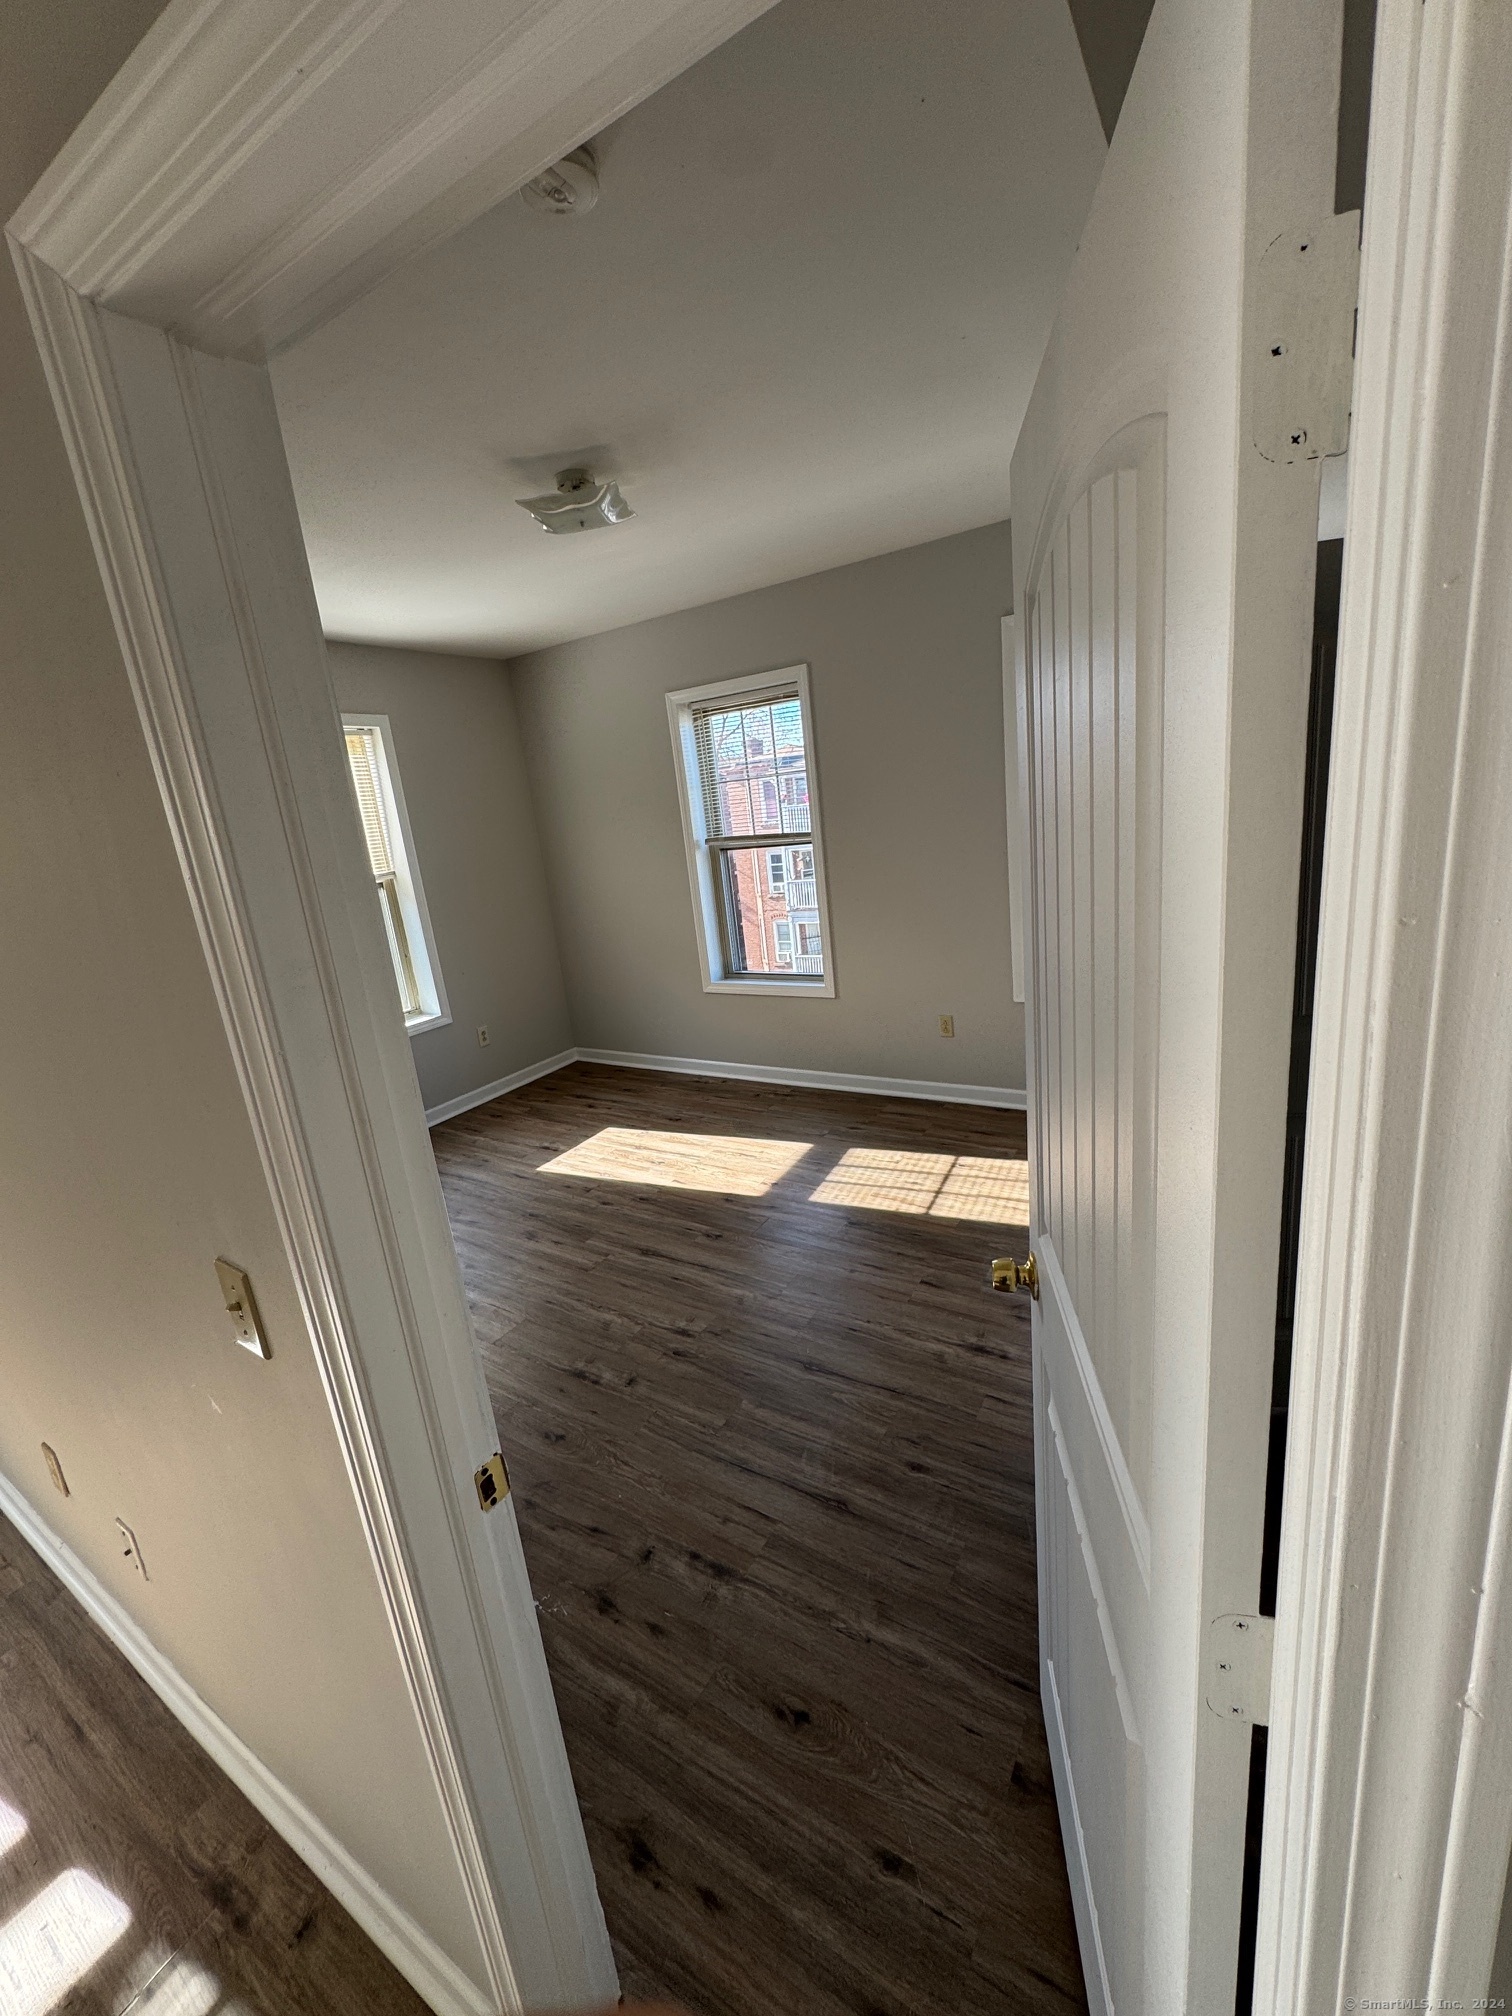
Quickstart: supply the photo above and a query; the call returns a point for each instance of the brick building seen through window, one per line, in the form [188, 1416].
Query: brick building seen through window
[754, 767]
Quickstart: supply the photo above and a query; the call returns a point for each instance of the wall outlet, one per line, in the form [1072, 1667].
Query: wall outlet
[131, 1550]
[947, 1025]
[482, 1035]
[55, 1469]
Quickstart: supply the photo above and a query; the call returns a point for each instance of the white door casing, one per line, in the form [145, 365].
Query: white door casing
[1163, 583]
[1389, 1787]
[253, 167]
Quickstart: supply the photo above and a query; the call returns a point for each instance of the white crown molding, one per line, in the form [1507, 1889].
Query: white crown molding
[248, 174]
[434, 1977]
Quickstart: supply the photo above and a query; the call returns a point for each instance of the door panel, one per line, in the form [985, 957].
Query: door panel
[1094, 815]
[1094, 1627]
[1091, 720]
[1090, 1706]
[1163, 590]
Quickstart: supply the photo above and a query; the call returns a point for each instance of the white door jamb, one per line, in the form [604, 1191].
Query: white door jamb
[1389, 1798]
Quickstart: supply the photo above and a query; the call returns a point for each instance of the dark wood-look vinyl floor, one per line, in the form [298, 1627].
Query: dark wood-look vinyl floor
[773, 1466]
[223, 1917]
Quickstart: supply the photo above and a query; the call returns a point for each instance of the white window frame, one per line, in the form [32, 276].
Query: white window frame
[419, 937]
[701, 866]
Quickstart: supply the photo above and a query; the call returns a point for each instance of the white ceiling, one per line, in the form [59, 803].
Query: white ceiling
[800, 328]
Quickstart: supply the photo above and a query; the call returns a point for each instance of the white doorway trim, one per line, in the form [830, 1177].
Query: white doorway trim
[1389, 1798]
[252, 168]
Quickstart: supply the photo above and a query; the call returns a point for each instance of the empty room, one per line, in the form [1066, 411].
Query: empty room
[753, 1159]
[658, 525]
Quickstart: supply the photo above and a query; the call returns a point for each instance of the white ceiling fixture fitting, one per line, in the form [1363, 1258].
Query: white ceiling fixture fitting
[578, 504]
[570, 189]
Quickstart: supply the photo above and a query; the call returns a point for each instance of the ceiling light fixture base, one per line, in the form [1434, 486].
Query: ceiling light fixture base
[570, 189]
[580, 503]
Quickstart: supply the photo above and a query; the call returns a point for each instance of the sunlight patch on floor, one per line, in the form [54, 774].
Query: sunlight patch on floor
[728, 1165]
[52, 1942]
[992, 1190]
[182, 1989]
[12, 1827]
[163, 1983]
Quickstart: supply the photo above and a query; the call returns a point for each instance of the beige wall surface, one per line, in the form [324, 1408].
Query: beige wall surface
[906, 669]
[456, 742]
[127, 1165]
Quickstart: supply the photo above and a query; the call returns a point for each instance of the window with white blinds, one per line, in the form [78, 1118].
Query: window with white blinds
[753, 766]
[396, 879]
[750, 817]
[365, 756]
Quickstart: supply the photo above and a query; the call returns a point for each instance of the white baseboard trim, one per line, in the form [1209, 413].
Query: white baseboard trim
[431, 1973]
[464, 1102]
[762, 1074]
[825, 1081]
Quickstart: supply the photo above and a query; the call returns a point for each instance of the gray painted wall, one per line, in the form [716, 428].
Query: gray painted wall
[456, 742]
[906, 664]
[127, 1164]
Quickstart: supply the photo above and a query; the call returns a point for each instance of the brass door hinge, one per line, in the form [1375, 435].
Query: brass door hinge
[492, 1480]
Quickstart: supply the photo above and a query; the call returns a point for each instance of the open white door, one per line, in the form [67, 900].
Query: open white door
[1165, 495]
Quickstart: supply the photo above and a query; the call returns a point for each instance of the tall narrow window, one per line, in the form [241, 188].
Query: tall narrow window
[391, 856]
[745, 758]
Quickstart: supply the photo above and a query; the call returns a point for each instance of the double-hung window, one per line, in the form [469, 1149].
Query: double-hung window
[396, 878]
[750, 816]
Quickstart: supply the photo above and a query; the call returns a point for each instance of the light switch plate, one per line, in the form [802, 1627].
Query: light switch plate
[241, 1307]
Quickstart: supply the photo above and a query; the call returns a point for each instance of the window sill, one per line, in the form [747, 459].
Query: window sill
[807, 990]
[416, 1025]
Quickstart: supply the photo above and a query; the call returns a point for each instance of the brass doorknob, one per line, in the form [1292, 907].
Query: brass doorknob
[1016, 1274]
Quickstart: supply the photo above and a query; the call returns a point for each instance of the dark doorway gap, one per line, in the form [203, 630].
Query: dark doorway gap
[1249, 1901]
[1309, 894]
[1320, 706]
[1354, 105]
